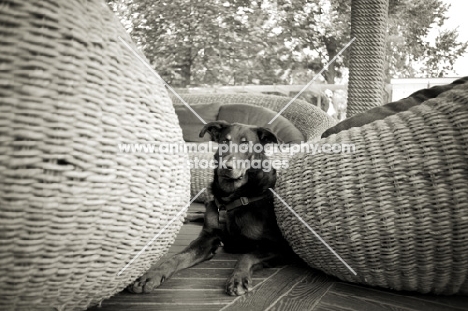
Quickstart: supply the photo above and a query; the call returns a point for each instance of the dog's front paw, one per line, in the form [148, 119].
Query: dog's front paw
[239, 283]
[154, 277]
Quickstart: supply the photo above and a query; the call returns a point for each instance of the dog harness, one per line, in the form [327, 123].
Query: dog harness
[223, 209]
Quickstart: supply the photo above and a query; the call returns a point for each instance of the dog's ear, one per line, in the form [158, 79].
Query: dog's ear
[266, 136]
[214, 129]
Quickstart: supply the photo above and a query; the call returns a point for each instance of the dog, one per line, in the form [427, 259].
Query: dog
[241, 217]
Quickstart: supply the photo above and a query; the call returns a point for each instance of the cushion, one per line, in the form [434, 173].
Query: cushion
[260, 116]
[191, 125]
[381, 112]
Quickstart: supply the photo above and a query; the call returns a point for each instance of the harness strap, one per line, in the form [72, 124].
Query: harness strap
[223, 209]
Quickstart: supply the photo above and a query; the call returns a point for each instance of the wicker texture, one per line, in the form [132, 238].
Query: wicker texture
[397, 209]
[310, 120]
[307, 118]
[366, 63]
[73, 209]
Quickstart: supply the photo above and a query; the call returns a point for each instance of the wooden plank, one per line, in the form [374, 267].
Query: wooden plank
[176, 249]
[182, 242]
[191, 229]
[156, 306]
[217, 284]
[173, 296]
[223, 264]
[188, 236]
[324, 307]
[206, 273]
[189, 283]
[334, 301]
[267, 293]
[358, 300]
[401, 299]
[185, 239]
[306, 294]
[456, 302]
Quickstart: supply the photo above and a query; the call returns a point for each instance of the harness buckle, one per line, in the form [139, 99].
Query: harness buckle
[244, 200]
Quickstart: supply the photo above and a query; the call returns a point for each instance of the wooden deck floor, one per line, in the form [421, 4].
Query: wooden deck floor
[201, 288]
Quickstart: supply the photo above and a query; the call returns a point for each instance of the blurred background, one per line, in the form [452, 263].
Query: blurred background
[276, 47]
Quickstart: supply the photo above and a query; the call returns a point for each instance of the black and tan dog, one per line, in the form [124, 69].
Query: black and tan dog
[241, 215]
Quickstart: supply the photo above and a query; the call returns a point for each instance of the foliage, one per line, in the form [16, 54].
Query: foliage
[235, 42]
[409, 52]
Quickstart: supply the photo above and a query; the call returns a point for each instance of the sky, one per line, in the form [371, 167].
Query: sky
[458, 17]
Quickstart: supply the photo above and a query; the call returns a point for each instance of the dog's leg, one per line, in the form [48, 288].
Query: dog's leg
[199, 250]
[240, 280]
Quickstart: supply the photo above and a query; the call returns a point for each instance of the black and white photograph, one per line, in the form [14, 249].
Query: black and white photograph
[234, 155]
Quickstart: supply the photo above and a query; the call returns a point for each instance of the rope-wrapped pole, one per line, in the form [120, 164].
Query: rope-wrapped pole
[366, 66]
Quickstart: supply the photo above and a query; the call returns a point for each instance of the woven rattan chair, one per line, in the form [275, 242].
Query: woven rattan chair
[73, 209]
[396, 210]
[309, 119]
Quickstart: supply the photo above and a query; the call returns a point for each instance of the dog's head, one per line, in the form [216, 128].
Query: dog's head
[240, 151]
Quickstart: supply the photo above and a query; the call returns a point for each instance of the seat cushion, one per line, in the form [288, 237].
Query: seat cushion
[260, 116]
[381, 112]
[191, 125]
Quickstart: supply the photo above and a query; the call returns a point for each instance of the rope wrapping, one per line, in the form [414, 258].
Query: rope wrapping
[367, 57]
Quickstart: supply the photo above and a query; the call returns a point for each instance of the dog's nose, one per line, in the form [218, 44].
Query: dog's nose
[229, 165]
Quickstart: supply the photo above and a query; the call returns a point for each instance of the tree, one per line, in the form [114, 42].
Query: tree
[316, 30]
[325, 29]
[409, 51]
[204, 42]
[440, 57]
[242, 42]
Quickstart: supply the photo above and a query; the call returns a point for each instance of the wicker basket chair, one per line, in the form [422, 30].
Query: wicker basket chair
[307, 118]
[396, 210]
[74, 209]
